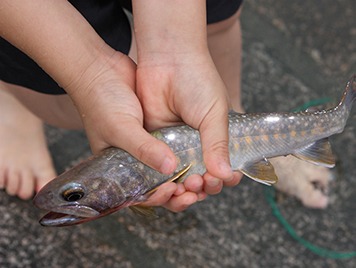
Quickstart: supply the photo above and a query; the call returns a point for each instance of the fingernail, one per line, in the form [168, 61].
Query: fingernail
[229, 179]
[166, 167]
[213, 182]
[201, 196]
[226, 169]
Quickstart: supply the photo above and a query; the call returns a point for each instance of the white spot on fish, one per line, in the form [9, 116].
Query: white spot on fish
[272, 119]
[171, 136]
[95, 184]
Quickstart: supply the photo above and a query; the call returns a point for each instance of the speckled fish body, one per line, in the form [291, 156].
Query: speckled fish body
[114, 179]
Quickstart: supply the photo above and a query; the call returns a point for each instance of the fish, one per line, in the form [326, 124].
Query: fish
[114, 179]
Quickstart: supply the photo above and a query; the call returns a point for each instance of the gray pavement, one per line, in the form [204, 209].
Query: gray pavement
[294, 52]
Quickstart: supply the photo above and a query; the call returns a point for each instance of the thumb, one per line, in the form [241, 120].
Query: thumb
[147, 149]
[215, 144]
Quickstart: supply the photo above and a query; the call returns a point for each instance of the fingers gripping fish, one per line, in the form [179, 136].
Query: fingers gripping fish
[114, 179]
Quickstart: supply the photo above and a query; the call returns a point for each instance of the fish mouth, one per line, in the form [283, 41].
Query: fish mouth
[55, 219]
[69, 215]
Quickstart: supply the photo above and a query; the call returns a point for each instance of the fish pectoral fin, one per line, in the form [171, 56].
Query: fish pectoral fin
[143, 211]
[318, 153]
[262, 172]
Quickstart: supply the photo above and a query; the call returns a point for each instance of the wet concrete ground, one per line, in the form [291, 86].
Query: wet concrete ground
[294, 52]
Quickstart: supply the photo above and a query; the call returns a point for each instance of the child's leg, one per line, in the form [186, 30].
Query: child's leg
[25, 163]
[224, 40]
[55, 110]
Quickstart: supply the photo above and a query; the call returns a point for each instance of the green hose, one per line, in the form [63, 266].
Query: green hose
[323, 252]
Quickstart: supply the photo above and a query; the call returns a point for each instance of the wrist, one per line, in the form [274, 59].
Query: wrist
[87, 68]
[111, 71]
[170, 27]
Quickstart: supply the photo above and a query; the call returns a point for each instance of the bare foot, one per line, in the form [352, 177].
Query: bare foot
[307, 182]
[25, 162]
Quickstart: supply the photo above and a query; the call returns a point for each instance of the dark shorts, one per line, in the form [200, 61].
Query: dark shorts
[110, 22]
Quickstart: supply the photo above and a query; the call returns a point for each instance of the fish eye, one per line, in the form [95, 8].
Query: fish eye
[73, 194]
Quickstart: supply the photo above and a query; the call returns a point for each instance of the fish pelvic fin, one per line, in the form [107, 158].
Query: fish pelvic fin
[177, 177]
[318, 153]
[262, 172]
[149, 212]
[349, 95]
[180, 176]
[144, 211]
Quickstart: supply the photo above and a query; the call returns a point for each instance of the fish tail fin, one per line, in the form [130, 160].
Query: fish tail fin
[349, 95]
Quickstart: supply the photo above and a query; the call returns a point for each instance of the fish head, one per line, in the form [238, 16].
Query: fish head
[78, 195]
[68, 205]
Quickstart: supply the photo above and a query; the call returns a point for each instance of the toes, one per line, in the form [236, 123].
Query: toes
[324, 188]
[318, 177]
[309, 184]
[321, 177]
[310, 196]
[21, 173]
[12, 182]
[44, 176]
[2, 178]
[26, 186]
[23, 183]
[314, 198]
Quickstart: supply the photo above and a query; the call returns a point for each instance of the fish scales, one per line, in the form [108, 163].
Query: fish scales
[114, 179]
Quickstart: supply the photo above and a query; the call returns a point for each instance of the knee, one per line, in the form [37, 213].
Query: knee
[5, 86]
[224, 25]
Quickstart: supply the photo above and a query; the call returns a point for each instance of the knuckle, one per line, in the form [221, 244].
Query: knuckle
[219, 146]
[144, 152]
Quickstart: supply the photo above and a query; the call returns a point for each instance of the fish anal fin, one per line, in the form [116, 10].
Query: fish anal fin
[318, 153]
[177, 177]
[144, 211]
[262, 172]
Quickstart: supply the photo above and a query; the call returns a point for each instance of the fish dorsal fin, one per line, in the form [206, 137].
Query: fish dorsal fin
[318, 153]
[144, 211]
[261, 171]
